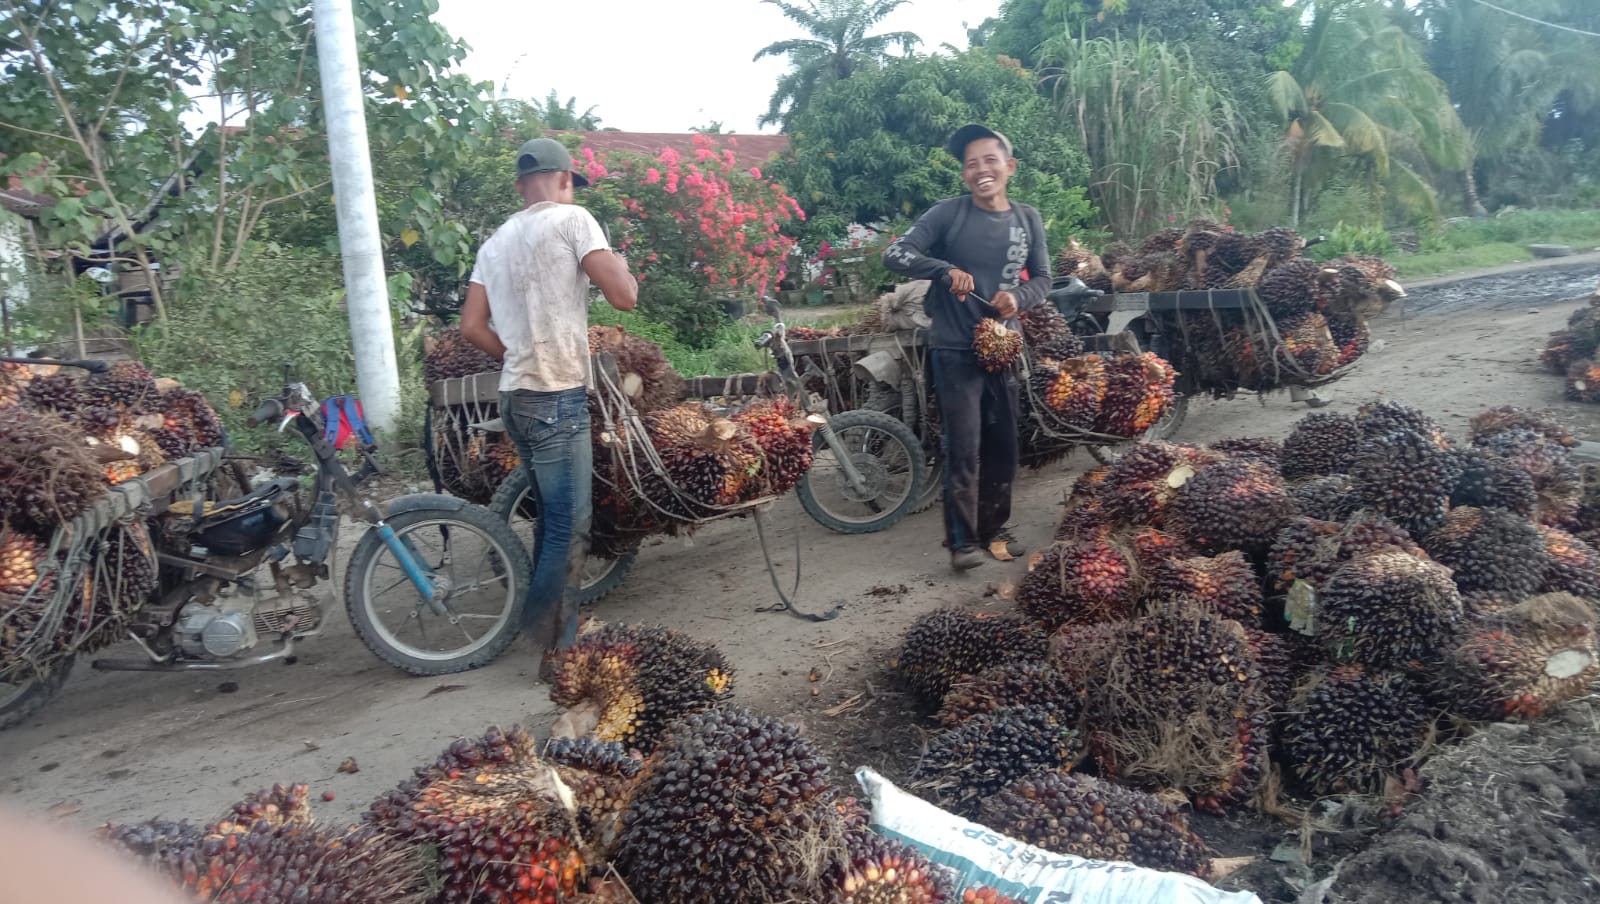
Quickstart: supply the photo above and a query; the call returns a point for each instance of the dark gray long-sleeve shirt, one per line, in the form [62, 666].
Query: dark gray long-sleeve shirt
[996, 247]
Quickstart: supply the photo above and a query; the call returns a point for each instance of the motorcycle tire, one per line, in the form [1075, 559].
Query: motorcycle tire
[601, 575]
[469, 519]
[26, 699]
[885, 513]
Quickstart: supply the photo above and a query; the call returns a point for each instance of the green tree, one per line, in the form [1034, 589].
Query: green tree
[564, 117]
[1157, 130]
[1504, 73]
[870, 150]
[1362, 89]
[838, 45]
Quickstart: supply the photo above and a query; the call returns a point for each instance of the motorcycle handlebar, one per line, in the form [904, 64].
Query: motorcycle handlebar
[270, 410]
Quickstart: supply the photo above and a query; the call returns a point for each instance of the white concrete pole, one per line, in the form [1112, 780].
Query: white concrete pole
[360, 246]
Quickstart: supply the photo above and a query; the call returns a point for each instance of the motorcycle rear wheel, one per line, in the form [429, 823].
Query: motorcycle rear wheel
[376, 587]
[20, 700]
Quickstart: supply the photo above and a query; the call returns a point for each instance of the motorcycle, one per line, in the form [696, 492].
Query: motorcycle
[402, 593]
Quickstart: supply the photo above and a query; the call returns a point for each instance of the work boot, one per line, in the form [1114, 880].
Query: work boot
[1004, 547]
[966, 558]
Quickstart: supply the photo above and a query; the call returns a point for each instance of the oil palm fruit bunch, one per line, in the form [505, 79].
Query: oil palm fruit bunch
[1200, 240]
[1308, 346]
[449, 355]
[656, 384]
[1085, 817]
[947, 645]
[188, 414]
[1350, 726]
[1162, 240]
[1572, 566]
[1311, 550]
[1583, 381]
[1330, 498]
[705, 455]
[1177, 702]
[48, 476]
[1405, 476]
[1075, 260]
[880, 870]
[1283, 660]
[127, 580]
[639, 679]
[1071, 390]
[503, 837]
[1294, 288]
[1489, 481]
[1037, 684]
[1138, 394]
[601, 776]
[1380, 418]
[1233, 254]
[1489, 549]
[1232, 505]
[14, 380]
[126, 386]
[1388, 609]
[256, 860]
[1144, 481]
[1225, 584]
[22, 558]
[1576, 341]
[740, 791]
[996, 344]
[1350, 335]
[1046, 333]
[496, 749]
[1557, 481]
[965, 764]
[1522, 660]
[277, 806]
[1507, 417]
[60, 393]
[983, 894]
[1076, 582]
[784, 435]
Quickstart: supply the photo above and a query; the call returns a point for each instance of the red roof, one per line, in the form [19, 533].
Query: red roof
[748, 150]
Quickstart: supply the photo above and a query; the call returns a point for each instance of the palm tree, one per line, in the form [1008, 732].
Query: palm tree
[837, 45]
[565, 117]
[1361, 89]
[1504, 73]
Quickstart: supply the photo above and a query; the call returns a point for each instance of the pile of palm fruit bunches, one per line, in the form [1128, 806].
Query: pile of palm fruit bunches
[67, 438]
[1332, 606]
[676, 796]
[1570, 353]
[763, 450]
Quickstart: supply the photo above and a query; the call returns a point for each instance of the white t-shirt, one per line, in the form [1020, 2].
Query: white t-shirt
[532, 269]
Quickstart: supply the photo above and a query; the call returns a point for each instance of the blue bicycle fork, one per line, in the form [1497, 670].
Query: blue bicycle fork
[420, 574]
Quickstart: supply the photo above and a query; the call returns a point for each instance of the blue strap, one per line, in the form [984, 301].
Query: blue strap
[342, 408]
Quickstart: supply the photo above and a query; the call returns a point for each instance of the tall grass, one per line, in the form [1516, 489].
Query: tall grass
[1158, 131]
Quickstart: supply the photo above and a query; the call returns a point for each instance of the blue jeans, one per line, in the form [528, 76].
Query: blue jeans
[551, 432]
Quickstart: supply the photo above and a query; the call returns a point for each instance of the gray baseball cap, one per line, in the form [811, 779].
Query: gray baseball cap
[968, 134]
[547, 155]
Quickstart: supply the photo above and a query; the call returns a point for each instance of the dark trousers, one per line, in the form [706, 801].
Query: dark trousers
[979, 413]
[551, 431]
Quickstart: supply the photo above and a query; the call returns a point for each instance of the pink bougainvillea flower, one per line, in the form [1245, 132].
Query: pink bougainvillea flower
[652, 176]
[755, 171]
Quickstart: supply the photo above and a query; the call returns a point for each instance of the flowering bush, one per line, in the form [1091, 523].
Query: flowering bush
[693, 228]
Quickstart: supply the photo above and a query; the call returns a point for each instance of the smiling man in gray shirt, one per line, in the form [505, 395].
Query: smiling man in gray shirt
[986, 244]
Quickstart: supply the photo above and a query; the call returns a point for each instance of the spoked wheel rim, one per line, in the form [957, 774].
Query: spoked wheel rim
[887, 469]
[524, 521]
[475, 589]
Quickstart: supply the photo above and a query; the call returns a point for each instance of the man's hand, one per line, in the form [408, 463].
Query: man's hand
[960, 283]
[1005, 304]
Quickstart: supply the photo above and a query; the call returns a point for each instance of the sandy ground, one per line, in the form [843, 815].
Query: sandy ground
[124, 746]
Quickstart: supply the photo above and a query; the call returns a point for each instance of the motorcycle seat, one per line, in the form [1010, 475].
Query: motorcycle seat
[267, 492]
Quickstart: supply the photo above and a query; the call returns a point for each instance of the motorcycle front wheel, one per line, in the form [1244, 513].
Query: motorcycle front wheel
[22, 697]
[479, 577]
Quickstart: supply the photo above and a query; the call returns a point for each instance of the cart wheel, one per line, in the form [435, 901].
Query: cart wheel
[22, 697]
[600, 575]
[884, 453]
[1164, 429]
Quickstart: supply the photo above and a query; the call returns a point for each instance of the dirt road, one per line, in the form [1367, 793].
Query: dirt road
[129, 746]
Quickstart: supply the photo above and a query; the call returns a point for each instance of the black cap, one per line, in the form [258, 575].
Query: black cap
[547, 155]
[967, 134]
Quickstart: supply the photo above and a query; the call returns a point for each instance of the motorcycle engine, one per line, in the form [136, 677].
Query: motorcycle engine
[226, 626]
[220, 629]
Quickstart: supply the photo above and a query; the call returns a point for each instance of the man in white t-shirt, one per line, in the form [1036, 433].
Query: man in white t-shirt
[532, 279]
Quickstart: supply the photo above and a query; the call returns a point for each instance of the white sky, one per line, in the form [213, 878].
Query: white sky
[647, 66]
